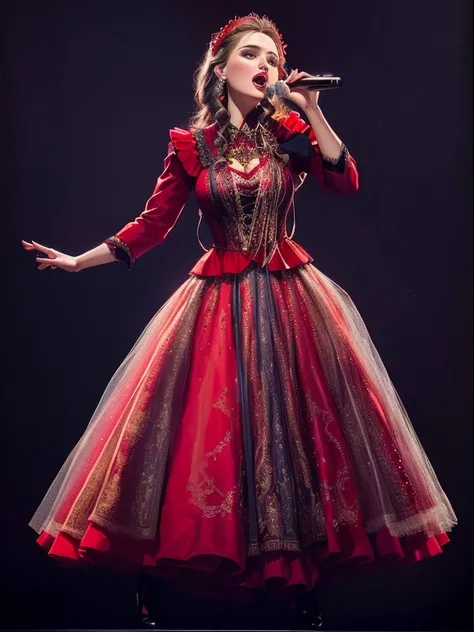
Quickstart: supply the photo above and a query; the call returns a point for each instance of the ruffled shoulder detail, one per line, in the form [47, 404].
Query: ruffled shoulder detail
[184, 143]
[293, 123]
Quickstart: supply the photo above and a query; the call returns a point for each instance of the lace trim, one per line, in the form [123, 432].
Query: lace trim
[340, 160]
[204, 153]
[434, 521]
[120, 250]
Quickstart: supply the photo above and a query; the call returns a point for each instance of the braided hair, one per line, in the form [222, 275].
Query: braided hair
[211, 101]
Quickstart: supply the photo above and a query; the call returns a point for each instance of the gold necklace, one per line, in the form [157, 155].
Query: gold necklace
[248, 143]
[242, 145]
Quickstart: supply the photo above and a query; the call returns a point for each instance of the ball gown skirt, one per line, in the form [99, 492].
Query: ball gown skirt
[251, 437]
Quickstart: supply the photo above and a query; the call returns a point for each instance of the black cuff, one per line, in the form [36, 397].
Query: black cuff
[338, 164]
[120, 251]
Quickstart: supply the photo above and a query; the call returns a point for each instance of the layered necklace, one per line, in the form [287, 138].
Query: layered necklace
[252, 202]
[248, 143]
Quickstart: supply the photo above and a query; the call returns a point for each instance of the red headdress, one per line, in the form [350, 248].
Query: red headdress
[219, 37]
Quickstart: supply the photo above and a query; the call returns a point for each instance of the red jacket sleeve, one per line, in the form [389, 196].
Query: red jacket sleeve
[161, 213]
[338, 176]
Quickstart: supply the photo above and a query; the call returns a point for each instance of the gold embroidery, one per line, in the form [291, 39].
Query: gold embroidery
[375, 425]
[204, 152]
[346, 514]
[114, 243]
[288, 345]
[211, 306]
[222, 330]
[201, 489]
[221, 402]
[248, 143]
[128, 452]
[254, 208]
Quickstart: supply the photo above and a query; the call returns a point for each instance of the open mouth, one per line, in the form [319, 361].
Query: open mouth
[260, 81]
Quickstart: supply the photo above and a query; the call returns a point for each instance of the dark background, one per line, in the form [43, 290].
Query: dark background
[90, 91]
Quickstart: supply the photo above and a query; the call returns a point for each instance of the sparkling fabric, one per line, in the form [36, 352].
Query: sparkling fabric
[252, 431]
[246, 210]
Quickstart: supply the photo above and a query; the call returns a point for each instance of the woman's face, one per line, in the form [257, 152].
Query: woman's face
[252, 65]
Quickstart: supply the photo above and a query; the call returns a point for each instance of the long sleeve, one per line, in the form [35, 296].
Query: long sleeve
[297, 139]
[340, 176]
[161, 213]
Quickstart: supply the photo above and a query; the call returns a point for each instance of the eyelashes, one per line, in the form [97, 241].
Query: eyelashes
[272, 59]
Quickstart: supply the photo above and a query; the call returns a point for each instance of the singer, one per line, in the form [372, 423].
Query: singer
[252, 439]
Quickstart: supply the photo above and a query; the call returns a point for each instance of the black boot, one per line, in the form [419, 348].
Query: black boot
[308, 613]
[143, 619]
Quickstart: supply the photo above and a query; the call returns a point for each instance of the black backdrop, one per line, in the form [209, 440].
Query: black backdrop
[91, 90]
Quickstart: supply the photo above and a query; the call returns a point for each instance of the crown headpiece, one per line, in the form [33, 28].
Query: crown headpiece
[219, 37]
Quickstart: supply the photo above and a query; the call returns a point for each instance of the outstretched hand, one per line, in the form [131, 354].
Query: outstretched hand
[54, 259]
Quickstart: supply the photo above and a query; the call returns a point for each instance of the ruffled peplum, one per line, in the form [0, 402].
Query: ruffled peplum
[217, 261]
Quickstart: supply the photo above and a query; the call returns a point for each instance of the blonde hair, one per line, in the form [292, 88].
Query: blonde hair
[207, 87]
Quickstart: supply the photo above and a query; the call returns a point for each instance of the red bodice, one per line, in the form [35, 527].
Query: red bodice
[245, 212]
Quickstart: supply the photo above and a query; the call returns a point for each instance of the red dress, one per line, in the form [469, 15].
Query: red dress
[252, 433]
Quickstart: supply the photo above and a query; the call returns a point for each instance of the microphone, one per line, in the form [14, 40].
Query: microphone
[315, 83]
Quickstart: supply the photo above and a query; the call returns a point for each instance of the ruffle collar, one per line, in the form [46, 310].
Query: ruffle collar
[185, 142]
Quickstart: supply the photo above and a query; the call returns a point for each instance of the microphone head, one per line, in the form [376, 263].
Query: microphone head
[278, 89]
[270, 91]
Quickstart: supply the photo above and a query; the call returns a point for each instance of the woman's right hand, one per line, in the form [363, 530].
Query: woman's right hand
[54, 259]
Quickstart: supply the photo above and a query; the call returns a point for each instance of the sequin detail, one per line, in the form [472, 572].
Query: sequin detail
[205, 486]
[205, 155]
[120, 250]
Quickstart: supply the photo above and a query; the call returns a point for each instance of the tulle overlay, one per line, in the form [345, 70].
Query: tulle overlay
[252, 431]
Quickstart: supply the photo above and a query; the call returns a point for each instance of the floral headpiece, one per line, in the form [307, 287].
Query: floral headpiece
[219, 37]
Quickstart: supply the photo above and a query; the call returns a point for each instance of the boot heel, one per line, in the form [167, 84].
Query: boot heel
[142, 616]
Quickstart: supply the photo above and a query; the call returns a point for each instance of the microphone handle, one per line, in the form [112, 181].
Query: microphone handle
[315, 84]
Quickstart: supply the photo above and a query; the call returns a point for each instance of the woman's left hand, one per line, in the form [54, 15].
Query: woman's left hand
[305, 99]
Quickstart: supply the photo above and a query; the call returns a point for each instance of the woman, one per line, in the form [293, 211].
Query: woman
[252, 437]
